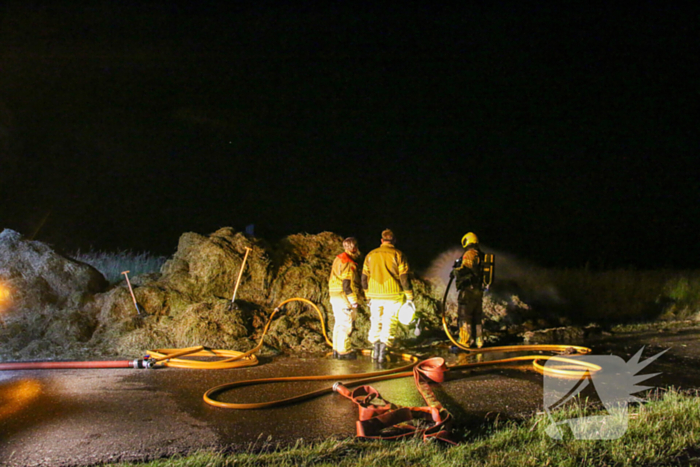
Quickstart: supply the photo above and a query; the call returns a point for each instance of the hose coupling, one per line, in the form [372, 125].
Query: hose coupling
[140, 363]
[336, 386]
[145, 362]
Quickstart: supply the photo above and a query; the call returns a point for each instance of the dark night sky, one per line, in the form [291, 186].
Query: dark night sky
[563, 134]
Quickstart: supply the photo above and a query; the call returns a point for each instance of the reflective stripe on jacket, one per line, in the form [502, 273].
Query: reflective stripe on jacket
[383, 269]
[344, 280]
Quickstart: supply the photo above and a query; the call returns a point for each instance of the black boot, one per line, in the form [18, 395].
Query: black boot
[381, 358]
[347, 356]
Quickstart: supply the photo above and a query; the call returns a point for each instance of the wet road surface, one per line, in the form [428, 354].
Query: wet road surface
[82, 417]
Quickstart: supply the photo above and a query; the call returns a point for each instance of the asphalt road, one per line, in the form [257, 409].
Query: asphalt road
[83, 417]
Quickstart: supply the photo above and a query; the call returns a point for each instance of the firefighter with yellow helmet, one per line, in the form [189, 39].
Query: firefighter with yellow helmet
[470, 278]
[343, 288]
[386, 282]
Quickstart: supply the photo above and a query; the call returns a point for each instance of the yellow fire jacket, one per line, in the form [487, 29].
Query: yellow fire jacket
[385, 274]
[344, 281]
[469, 273]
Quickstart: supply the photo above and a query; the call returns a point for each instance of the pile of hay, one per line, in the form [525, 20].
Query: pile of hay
[43, 301]
[188, 302]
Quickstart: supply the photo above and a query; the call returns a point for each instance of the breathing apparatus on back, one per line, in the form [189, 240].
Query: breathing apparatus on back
[487, 263]
[488, 270]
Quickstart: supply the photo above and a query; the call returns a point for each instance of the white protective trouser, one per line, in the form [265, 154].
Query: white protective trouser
[344, 317]
[384, 319]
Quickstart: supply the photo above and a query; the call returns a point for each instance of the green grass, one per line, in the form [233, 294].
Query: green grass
[623, 295]
[655, 326]
[112, 264]
[663, 431]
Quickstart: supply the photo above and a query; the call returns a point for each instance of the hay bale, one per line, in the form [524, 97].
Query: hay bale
[39, 275]
[304, 263]
[205, 266]
[188, 302]
[300, 334]
[47, 295]
[211, 324]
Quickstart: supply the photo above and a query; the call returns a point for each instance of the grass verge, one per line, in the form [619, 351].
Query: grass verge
[663, 431]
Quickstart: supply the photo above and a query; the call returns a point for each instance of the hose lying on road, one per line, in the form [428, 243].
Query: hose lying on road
[579, 370]
[379, 419]
[579, 367]
[67, 365]
[233, 359]
[173, 358]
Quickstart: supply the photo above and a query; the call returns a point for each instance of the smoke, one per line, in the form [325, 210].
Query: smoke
[438, 273]
[513, 276]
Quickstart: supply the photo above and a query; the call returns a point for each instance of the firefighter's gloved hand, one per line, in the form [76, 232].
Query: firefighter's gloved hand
[452, 274]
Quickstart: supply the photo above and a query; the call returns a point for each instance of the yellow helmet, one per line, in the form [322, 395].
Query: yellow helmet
[468, 239]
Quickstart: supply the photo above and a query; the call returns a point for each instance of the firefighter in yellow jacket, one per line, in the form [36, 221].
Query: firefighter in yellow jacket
[468, 272]
[343, 288]
[386, 284]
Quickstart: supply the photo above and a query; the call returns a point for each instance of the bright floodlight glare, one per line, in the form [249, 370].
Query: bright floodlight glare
[4, 296]
[17, 396]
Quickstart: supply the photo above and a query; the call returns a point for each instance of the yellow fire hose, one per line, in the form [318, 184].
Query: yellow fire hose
[580, 366]
[233, 359]
[574, 368]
